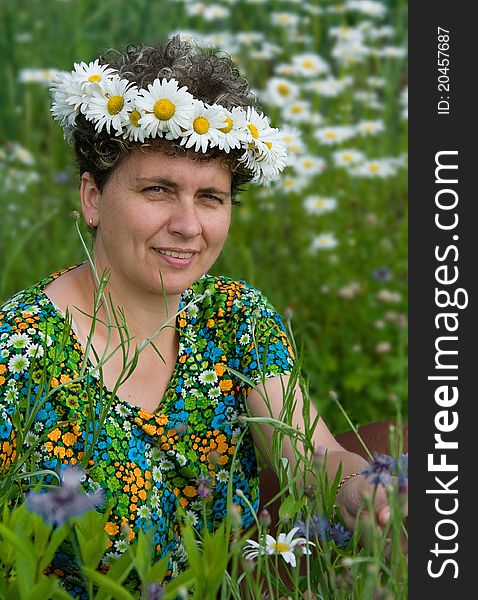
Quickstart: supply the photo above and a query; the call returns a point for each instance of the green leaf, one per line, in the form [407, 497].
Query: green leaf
[109, 585]
[57, 537]
[118, 571]
[42, 589]
[157, 571]
[290, 507]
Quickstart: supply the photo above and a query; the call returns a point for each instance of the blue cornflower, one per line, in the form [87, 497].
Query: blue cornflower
[380, 468]
[65, 501]
[401, 467]
[339, 534]
[314, 528]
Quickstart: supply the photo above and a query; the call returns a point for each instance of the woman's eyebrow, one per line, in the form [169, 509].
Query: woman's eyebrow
[173, 184]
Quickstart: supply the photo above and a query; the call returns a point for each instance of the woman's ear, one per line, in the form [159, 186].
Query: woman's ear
[90, 200]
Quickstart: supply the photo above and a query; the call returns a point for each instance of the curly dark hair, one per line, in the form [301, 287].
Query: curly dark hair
[210, 76]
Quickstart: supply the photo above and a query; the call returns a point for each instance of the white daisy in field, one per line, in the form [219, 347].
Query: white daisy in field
[329, 87]
[292, 138]
[266, 52]
[380, 33]
[280, 90]
[370, 127]
[380, 168]
[318, 205]
[250, 37]
[19, 341]
[335, 134]
[233, 133]
[299, 111]
[310, 165]
[132, 128]
[209, 376]
[166, 108]
[324, 241]
[389, 52]
[376, 82]
[370, 99]
[92, 74]
[18, 363]
[37, 75]
[109, 106]
[215, 12]
[347, 157]
[286, 546]
[370, 8]
[203, 130]
[350, 53]
[310, 65]
[346, 34]
[291, 183]
[284, 19]
[284, 70]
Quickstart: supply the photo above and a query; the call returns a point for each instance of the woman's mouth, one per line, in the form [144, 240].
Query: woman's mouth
[176, 258]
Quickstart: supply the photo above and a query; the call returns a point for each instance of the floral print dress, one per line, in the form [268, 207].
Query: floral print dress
[147, 464]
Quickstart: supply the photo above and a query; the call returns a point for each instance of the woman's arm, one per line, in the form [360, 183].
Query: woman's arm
[349, 498]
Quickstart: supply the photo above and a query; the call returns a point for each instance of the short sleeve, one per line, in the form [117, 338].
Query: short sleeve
[262, 345]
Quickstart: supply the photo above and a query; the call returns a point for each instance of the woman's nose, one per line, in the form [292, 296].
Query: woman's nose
[184, 220]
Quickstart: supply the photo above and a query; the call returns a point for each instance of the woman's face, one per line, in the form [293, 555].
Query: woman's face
[160, 217]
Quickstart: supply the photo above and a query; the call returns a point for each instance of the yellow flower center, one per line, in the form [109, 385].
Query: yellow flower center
[134, 117]
[373, 168]
[269, 145]
[283, 89]
[164, 109]
[200, 125]
[330, 135]
[253, 129]
[319, 203]
[296, 109]
[347, 157]
[280, 547]
[115, 104]
[228, 127]
[307, 164]
[94, 78]
[308, 64]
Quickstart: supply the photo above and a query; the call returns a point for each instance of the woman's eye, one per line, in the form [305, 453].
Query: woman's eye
[155, 188]
[212, 198]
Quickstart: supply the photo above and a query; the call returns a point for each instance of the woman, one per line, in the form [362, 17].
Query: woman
[163, 138]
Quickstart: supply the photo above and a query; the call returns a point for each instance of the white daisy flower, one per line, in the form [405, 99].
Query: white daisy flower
[280, 90]
[285, 546]
[334, 135]
[318, 205]
[244, 339]
[92, 74]
[329, 87]
[324, 241]
[283, 19]
[290, 183]
[203, 130]
[310, 165]
[31, 439]
[19, 341]
[309, 65]
[122, 410]
[132, 127]
[350, 54]
[166, 108]
[370, 127]
[4, 353]
[18, 363]
[209, 376]
[257, 125]
[371, 8]
[67, 97]
[121, 545]
[380, 167]
[346, 157]
[109, 106]
[346, 34]
[267, 157]
[157, 474]
[390, 52]
[299, 111]
[214, 393]
[222, 476]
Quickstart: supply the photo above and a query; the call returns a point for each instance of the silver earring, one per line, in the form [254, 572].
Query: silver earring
[90, 223]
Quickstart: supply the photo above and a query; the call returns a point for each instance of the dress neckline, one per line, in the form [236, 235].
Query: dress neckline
[137, 411]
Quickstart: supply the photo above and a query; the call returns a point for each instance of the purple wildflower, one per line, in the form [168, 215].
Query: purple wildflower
[401, 467]
[204, 486]
[314, 528]
[382, 274]
[65, 501]
[339, 534]
[380, 468]
[154, 591]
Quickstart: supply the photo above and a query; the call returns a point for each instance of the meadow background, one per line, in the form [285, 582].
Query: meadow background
[327, 244]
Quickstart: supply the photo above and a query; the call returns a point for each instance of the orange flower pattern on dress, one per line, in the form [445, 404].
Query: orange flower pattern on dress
[146, 463]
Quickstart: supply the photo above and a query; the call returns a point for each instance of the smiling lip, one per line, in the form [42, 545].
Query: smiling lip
[176, 257]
